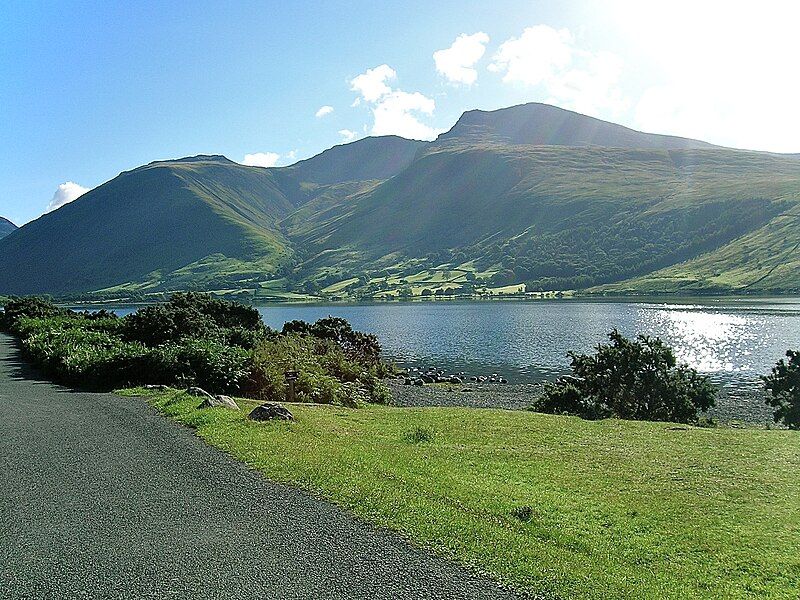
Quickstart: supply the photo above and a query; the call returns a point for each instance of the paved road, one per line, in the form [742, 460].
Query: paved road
[100, 497]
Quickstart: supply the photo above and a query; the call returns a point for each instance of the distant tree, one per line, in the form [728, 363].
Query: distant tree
[629, 379]
[470, 276]
[784, 386]
[426, 292]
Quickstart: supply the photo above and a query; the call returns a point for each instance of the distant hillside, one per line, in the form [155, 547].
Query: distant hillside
[365, 159]
[201, 221]
[557, 217]
[530, 197]
[543, 124]
[6, 227]
[146, 223]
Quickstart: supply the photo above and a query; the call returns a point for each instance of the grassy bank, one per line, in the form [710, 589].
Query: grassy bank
[555, 505]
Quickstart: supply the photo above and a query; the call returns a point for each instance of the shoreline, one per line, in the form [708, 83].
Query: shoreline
[735, 407]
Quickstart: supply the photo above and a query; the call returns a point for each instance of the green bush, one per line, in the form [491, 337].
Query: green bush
[325, 374]
[629, 379]
[195, 315]
[360, 347]
[784, 387]
[28, 306]
[214, 366]
[83, 356]
[195, 339]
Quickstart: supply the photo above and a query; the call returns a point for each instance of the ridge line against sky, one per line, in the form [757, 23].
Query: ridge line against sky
[93, 91]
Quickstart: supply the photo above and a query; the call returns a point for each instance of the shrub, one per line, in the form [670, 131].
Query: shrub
[361, 347]
[195, 339]
[194, 315]
[325, 374]
[216, 367]
[630, 379]
[82, 356]
[28, 306]
[784, 387]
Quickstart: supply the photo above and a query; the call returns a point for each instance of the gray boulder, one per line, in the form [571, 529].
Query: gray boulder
[270, 411]
[220, 401]
[159, 387]
[199, 393]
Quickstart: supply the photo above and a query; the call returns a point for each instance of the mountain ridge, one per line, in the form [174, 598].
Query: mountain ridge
[6, 227]
[530, 195]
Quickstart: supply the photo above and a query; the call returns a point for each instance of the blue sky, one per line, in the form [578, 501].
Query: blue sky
[89, 89]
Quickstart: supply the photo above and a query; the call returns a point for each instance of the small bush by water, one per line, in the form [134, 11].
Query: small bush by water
[629, 379]
[784, 386]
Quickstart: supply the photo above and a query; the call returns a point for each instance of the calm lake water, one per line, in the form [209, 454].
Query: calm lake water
[734, 340]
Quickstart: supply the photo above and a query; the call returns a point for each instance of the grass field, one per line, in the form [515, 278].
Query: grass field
[555, 505]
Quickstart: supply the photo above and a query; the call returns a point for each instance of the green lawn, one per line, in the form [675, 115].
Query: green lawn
[556, 505]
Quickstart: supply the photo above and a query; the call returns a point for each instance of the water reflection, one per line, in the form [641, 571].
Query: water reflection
[708, 341]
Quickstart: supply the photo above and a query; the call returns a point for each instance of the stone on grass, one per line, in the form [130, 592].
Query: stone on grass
[199, 392]
[270, 411]
[221, 401]
[159, 387]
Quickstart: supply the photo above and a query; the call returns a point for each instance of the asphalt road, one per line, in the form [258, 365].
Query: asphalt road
[100, 497]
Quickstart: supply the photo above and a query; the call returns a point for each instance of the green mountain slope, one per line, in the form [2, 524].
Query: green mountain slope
[145, 224]
[368, 159]
[559, 217]
[6, 227]
[764, 261]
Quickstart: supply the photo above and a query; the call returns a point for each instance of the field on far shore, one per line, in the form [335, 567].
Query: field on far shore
[558, 506]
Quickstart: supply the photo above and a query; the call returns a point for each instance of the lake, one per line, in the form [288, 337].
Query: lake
[733, 340]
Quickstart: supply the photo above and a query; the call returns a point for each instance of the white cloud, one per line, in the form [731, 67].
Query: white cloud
[457, 62]
[323, 110]
[371, 84]
[261, 159]
[394, 115]
[347, 135]
[66, 193]
[291, 156]
[567, 75]
[395, 112]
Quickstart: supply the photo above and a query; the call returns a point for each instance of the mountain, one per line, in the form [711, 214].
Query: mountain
[530, 195]
[6, 227]
[537, 124]
[146, 223]
[193, 222]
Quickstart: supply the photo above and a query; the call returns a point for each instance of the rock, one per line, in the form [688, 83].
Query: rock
[427, 379]
[270, 411]
[221, 401]
[455, 379]
[503, 380]
[407, 381]
[200, 393]
[159, 387]
[419, 382]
